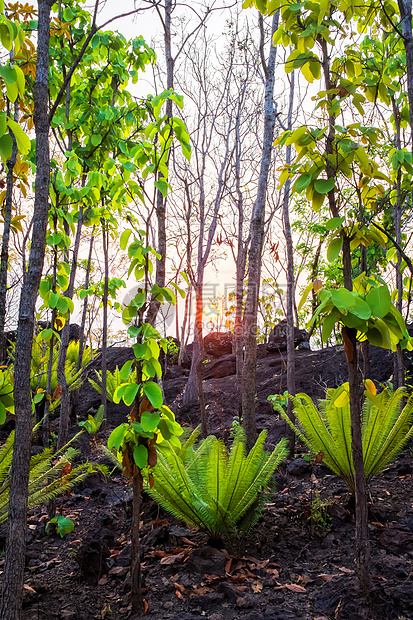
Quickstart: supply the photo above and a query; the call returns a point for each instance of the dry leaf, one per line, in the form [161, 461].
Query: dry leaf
[317, 285]
[160, 554]
[241, 588]
[203, 590]
[103, 580]
[273, 571]
[188, 542]
[326, 577]
[171, 559]
[26, 587]
[256, 587]
[145, 606]
[291, 586]
[179, 587]
[346, 570]
[313, 479]
[116, 570]
[263, 564]
[179, 595]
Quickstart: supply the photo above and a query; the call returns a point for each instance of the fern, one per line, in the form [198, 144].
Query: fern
[113, 381]
[48, 476]
[220, 493]
[386, 428]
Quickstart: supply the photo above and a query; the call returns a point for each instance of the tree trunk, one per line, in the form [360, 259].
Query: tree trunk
[136, 590]
[8, 207]
[160, 200]
[11, 605]
[64, 343]
[84, 311]
[350, 347]
[104, 399]
[254, 255]
[290, 279]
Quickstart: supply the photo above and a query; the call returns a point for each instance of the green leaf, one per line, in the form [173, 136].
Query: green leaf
[379, 301]
[334, 248]
[343, 299]
[124, 238]
[63, 525]
[6, 146]
[140, 455]
[323, 186]
[96, 139]
[303, 181]
[116, 436]
[154, 393]
[130, 393]
[22, 139]
[150, 420]
[3, 413]
[46, 334]
[328, 324]
[334, 222]
[3, 123]
[361, 309]
[53, 299]
[125, 370]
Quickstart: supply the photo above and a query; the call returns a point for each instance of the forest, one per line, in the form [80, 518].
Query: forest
[206, 342]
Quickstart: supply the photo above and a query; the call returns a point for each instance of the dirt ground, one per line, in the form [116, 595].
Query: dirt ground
[298, 563]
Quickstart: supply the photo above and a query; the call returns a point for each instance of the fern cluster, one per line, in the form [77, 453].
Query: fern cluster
[50, 474]
[113, 381]
[222, 494]
[386, 428]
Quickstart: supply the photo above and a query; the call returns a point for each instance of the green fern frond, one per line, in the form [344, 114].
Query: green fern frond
[213, 490]
[385, 430]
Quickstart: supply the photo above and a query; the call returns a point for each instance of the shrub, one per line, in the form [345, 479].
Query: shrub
[220, 493]
[386, 428]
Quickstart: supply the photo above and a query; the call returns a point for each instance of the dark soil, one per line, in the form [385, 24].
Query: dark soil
[298, 563]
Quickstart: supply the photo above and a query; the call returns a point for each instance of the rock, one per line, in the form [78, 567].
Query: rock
[225, 366]
[298, 467]
[244, 602]
[206, 560]
[397, 538]
[157, 536]
[276, 432]
[229, 591]
[92, 555]
[217, 344]
[277, 340]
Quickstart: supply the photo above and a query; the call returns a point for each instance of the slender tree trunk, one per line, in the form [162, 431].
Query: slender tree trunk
[398, 374]
[64, 343]
[255, 252]
[104, 400]
[8, 207]
[290, 278]
[350, 347]
[46, 421]
[11, 605]
[160, 200]
[85, 301]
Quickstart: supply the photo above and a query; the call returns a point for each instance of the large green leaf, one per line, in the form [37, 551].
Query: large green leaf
[379, 301]
[334, 248]
[323, 186]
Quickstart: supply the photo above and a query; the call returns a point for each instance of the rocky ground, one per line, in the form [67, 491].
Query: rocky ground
[298, 564]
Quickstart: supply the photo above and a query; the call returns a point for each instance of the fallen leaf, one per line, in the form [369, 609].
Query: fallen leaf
[250, 574]
[145, 606]
[211, 577]
[326, 577]
[291, 586]
[188, 542]
[273, 571]
[228, 565]
[203, 590]
[179, 587]
[241, 588]
[116, 570]
[179, 595]
[171, 559]
[26, 587]
[103, 580]
[256, 587]
[313, 479]
[160, 554]
[346, 570]
[263, 564]
[378, 525]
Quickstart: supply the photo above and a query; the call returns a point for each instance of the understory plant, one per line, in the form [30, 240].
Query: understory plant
[113, 381]
[51, 473]
[218, 492]
[386, 428]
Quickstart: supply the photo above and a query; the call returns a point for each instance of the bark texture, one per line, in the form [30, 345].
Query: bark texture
[254, 255]
[11, 605]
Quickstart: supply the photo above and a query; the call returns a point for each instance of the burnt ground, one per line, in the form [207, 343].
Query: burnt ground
[298, 563]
